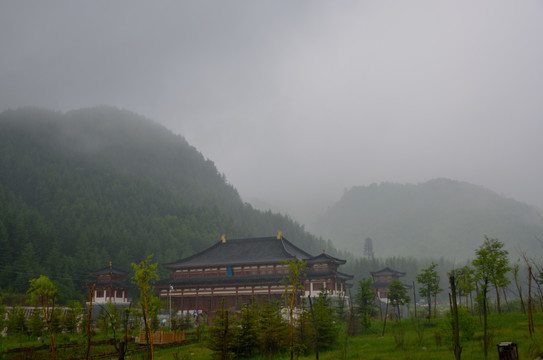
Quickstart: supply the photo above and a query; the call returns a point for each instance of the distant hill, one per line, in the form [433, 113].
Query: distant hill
[83, 188]
[439, 218]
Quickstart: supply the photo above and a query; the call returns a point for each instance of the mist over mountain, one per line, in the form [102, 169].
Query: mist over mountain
[438, 218]
[82, 188]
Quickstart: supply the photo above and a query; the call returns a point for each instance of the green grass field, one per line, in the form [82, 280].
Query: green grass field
[407, 340]
[403, 341]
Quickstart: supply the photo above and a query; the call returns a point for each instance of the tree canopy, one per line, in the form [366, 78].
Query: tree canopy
[429, 280]
[491, 263]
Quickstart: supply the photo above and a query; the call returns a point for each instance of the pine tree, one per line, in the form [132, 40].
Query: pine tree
[73, 314]
[2, 316]
[42, 291]
[222, 334]
[364, 300]
[57, 321]
[491, 264]
[293, 286]
[429, 280]
[326, 323]
[304, 335]
[35, 323]
[145, 275]
[397, 295]
[246, 340]
[272, 329]
[16, 323]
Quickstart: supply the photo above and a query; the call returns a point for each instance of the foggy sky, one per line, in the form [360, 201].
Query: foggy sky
[296, 101]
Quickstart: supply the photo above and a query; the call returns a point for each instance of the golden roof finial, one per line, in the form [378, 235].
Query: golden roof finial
[279, 234]
[323, 251]
[223, 238]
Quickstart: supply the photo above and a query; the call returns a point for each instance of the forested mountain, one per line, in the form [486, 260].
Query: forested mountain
[439, 218]
[83, 188]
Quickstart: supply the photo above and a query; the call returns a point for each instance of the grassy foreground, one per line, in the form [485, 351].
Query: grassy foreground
[403, 341]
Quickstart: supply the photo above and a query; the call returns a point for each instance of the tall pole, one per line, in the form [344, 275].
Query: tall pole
[415, 299]
[170, 295]
[315, 333]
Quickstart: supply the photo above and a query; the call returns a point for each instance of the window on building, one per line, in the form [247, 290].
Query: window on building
[317, 286]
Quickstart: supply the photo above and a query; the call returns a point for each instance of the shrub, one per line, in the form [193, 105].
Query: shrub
[466, 322]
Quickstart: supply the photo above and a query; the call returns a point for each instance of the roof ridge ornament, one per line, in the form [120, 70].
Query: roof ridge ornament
[279, 234]
[223, 238]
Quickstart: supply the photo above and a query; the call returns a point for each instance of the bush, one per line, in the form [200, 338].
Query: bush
[325, 322]
[222, 334]
[36, 323]
[16, 321]
[467, 325]
[272, 330]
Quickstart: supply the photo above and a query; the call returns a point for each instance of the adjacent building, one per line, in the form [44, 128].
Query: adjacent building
[382, 279]
[110, 286]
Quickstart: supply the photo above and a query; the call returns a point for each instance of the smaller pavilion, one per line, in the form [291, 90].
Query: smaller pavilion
[382, 279]
[110, 286]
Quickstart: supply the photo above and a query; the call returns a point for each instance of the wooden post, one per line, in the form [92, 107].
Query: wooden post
[530, 313]
[456, 329]
[89, 319]
[386, 315]
[314, 329]
[415, 299]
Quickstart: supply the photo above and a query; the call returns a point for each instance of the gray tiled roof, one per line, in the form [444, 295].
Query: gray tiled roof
[386, 284]
[243, 251]
[387, 272]
[324, 258]
[109, 270]
[116, 284]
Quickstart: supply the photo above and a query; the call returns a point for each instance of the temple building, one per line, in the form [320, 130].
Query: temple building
[110, 286]
[382, 279]
[240, 270]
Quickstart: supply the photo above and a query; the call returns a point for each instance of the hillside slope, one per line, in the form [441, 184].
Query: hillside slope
[80, 189]
[439, 218]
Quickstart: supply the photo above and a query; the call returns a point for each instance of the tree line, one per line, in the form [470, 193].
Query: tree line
[470, 288]
[314, 324]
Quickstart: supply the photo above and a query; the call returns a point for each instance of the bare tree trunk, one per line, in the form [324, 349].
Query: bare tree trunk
[148, 332]
[530, 314]
[467, 294]
[477, 300]
[504, 290]
[429, 301]
[385, 322]
[380, 306]
[123, 345]
[456, 329]
[225, 337]
[48, 320]
[435, 306]
[539, 292]
[415, 299]
[519, 290]
[89, 319]
[314, 328]
[498, 307]
[485, 316]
